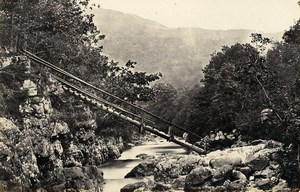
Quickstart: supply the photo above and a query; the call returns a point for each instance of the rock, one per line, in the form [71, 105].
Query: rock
[6, 174]
[226, 160]
[162, 187]
[189, 162]
[114, 152]
[198, 176]
[7, 125]
[257, 162]
[130, 145]
[30, 87]
[132, 187]
[59, 128]
[142, 156]
[281, 186]
[142, 170]
[264, 184]
[73, 173]
[179, 182]
[93, 172]
[58, 148]
[266, 173]
[221, 174]
[237, 185]
[74, 155]
[238, 175]
[5, 153]
[37, 106]
[166, 171]
[245, 170]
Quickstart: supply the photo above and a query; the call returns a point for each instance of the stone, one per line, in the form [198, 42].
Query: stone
[179, 182]
[7, 125]
[264, 184]
[245, 170]
[198, 176]
[59, 128]
[30, 87]
[130, 145]
[189, 162]
[166, 171]
[238, 175]
[142, 156]
[58, 148]
[257, 162]
[142, 170]
[221, 174]
[266, 173]
[73, 173]
[226, 160]
[93, 172]
[237, 185]
[6, 174]
[133, 186]
[281, 186]
[161, 187]
[113, 152]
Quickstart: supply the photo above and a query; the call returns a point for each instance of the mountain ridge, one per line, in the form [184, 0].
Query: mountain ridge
[179, 53]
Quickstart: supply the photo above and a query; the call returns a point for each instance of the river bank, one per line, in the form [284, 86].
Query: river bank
[256, 166]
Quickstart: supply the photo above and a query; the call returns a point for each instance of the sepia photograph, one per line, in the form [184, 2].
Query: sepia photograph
[149, 95]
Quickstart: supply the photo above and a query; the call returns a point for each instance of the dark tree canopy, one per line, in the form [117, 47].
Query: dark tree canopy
[64, 33]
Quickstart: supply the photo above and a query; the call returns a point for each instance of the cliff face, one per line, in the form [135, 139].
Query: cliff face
[48, 139]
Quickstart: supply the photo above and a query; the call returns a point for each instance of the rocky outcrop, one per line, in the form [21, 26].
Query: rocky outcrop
[49, 142]
[142, 170]
[256, 166]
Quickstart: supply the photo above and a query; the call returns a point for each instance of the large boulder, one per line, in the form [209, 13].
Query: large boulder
[88, 177]
[7, 125]
[142, 170]
[257, 161]
[226, 160]
[133, 186]
[166, 171]
[221, 174]
[179, 182]
[161, 187]
[198, 177]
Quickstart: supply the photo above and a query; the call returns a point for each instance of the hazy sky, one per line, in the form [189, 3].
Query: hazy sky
[261, 15]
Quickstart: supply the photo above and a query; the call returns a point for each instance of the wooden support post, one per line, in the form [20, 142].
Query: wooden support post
[170, 133]
[141, 130]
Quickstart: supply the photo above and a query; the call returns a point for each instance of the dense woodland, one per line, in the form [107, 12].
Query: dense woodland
[252, 88]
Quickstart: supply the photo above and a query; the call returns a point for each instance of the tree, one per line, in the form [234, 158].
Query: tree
[62, 32]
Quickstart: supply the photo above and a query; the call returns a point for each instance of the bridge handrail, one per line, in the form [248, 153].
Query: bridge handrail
[98, 98]
[59, 70]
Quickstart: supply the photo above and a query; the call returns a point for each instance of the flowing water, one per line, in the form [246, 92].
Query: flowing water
[115, 170]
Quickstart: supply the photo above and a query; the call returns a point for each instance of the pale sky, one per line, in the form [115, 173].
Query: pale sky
[260, 15]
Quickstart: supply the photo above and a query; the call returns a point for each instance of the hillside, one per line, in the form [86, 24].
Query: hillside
[179, 53]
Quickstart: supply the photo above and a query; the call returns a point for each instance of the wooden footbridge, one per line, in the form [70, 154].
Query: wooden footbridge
[137, 115]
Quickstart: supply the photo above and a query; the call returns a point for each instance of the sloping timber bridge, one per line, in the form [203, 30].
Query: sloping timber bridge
[137, 115]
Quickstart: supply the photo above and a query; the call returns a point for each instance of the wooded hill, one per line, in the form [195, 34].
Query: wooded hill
[179, 53]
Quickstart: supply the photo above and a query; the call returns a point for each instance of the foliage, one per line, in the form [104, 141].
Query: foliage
[63, 32]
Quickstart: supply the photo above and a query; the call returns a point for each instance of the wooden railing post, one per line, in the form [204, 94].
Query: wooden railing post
[170, 133]
[141, 130]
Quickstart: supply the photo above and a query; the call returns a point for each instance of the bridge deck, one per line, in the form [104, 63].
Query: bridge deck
[114, 109]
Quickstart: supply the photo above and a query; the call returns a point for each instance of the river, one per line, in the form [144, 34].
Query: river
[115, 170]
